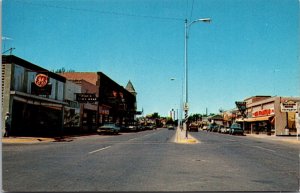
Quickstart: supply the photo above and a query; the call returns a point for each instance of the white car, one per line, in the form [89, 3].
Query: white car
[204, 127]
[225, 130]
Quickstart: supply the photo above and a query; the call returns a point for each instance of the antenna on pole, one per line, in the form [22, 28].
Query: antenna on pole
[10, 51]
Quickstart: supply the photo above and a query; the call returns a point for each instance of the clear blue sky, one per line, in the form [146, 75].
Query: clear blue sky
[251, 47]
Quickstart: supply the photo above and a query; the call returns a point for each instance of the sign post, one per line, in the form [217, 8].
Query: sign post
[289, 106]
[297, 121]
[241, 105]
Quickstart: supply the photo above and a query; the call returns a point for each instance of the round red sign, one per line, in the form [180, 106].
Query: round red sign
[41, 80]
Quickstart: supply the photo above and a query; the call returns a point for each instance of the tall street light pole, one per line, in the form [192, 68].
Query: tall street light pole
[186, 27]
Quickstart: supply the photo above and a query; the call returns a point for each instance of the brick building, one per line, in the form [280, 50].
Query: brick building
[115, 103]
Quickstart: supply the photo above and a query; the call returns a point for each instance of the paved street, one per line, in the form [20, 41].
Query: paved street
[151, 161]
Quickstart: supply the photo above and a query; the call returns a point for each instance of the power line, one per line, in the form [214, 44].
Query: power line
[102, 12]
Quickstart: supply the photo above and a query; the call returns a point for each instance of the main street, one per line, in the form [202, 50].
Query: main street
[151, 161]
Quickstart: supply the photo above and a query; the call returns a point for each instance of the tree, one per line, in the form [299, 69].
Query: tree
[62, 70]
[195, 117]
[155, 116]
[169, 121]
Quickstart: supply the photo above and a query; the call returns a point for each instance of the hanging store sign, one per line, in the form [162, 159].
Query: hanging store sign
[264, 112]
[86, 98]
[289, 106]
[41, 80]
[241, 105]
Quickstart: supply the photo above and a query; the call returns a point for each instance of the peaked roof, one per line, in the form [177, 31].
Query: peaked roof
[130, 87]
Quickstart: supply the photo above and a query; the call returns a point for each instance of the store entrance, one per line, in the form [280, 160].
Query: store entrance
[35, 120]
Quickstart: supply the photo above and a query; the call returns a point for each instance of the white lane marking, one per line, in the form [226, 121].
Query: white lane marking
[141, 136]
[231, 140]
[264, 148]
[133, 139]
[99, 149]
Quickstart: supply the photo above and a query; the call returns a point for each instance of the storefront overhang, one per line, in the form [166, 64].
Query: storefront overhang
[36, 100]
[255, 119]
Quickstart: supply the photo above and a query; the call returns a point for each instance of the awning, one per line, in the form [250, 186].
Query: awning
[240, 120]
[254, 119]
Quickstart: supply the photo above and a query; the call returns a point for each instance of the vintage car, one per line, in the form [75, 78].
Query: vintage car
[236, 128]
[109, 128]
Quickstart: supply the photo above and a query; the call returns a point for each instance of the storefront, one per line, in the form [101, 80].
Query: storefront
[33, 96]
[115, 103]
[271, 115]
[35, 117]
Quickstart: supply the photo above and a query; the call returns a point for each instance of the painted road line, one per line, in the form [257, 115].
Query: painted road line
[133, 139]
[232, 140]
[264, 148]
[141, 136]
[99, 149]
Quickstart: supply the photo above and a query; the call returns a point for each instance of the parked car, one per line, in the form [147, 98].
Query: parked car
[132, 128]
[236, 128]
[150, 127]
[171, 127]
[210, 127]
[225, 129]
[193, 127]
[204, 127]
[215, 128]
[219, 128]
[109, 128]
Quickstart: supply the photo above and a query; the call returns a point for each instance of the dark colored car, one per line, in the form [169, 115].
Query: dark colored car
[109, 128]
[236, 128]
[171, 127]
[210, 127]
[193, 127]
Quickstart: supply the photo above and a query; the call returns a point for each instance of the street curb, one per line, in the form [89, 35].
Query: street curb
[274, 138]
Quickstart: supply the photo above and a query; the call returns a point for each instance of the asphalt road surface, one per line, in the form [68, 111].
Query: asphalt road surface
[151, 161]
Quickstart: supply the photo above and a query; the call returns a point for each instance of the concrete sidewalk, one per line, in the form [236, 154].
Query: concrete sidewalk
[7, 140]
[180, 137]
[287, 139]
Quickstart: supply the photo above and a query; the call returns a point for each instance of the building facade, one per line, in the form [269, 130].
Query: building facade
[45, 103]
[115, 103]
[72, 118]
[33, 96]
[88, 109]
[270, 115]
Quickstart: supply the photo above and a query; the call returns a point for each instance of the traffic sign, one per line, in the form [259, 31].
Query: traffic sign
[186, 107]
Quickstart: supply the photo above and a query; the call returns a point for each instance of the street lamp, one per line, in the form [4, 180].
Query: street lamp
[186, 27]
